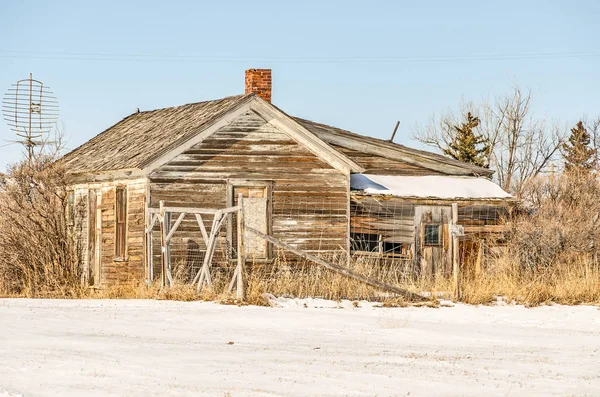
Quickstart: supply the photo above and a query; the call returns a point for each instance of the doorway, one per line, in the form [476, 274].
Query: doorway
[257, 210]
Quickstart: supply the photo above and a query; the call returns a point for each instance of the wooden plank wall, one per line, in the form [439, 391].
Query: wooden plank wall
[392, 219]
[309, 196]
[132, 267]
[384, 166]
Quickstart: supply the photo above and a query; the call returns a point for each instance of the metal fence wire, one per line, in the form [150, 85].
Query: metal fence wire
[385, 233]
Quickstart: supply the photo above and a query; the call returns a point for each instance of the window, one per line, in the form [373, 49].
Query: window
[431, 234]
[70, 208]
[121, 222]
[365, 242]
[390, 247]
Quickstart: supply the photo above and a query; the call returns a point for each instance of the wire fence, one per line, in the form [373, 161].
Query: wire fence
[379, 235]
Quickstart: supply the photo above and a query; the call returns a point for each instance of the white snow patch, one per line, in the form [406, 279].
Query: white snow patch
[306, 347]
[5, 393]
[429, 186]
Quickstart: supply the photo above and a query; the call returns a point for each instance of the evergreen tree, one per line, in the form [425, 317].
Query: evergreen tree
[577, 152]
[468, 146]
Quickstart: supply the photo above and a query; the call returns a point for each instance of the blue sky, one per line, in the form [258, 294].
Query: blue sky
[354, 64]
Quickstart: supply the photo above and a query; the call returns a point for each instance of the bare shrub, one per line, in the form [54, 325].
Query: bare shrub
[39, 257]
[561, 223]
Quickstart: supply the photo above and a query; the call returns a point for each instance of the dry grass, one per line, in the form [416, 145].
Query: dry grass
[571, 284]
[568, 283]
[551, 255]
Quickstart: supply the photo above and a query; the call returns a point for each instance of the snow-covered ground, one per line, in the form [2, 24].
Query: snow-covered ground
[308, 347]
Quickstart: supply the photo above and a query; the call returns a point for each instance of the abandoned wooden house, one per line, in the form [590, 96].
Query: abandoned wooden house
[317, 188]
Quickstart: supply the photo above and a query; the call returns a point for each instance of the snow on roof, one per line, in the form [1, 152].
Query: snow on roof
[430, 186]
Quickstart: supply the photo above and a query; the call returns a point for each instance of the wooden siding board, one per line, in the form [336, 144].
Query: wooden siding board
[309, 207]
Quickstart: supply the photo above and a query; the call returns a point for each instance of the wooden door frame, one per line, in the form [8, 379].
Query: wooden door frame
[419, 236]
[268, 185]
[94, 250]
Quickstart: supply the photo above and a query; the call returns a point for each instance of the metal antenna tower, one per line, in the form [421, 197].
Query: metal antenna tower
[30, 110]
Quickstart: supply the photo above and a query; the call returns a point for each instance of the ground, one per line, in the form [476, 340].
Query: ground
[305, 347]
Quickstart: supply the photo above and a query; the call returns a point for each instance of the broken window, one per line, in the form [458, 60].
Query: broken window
[392, 248]
[365, 242]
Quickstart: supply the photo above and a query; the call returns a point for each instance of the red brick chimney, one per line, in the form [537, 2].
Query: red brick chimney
[258, 81]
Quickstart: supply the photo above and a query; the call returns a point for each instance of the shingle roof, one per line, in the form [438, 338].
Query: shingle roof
[327, 133]
[144, 136]
[140, 137]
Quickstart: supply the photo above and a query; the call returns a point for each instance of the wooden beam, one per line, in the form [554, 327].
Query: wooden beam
[152, 218]
[151, 223]
[175, 226]
[204, 274]
[202, 227]
[233, 280]
[339, 269]
[200, 210]
[241, 255]
[165, 223]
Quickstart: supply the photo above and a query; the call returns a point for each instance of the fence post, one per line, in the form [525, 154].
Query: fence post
[165, 225]
[149, 247]
[455, 254]
[241, 258]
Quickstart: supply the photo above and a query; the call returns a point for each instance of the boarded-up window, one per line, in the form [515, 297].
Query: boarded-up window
[70, 208]
[121, 222]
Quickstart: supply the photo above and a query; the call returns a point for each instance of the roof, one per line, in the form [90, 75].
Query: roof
[141, 138]
[351, 140]
[429, 187]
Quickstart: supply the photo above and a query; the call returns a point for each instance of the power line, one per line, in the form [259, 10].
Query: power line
[188, 58]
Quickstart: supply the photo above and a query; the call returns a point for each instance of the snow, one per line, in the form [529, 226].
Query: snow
[305, 347]
[430, 186]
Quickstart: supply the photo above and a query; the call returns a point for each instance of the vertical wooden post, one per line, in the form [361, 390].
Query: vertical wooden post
[165, 224]
[455, 254]
[149, 247]
[98, 253]
[241, 257]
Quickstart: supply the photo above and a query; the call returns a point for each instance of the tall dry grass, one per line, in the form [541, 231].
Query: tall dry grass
[550, 254]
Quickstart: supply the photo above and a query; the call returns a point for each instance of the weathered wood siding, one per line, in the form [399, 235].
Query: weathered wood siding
[401, 220]
[434, 260]
[309, 197]
[391, 218]
[112, 271]
[379, 165]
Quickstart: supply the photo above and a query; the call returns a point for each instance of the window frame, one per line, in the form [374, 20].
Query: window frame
[70, 208]
[121, 208]
[439, 234]
[353, 243]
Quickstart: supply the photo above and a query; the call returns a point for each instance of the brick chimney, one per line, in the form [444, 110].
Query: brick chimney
[258, 81]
